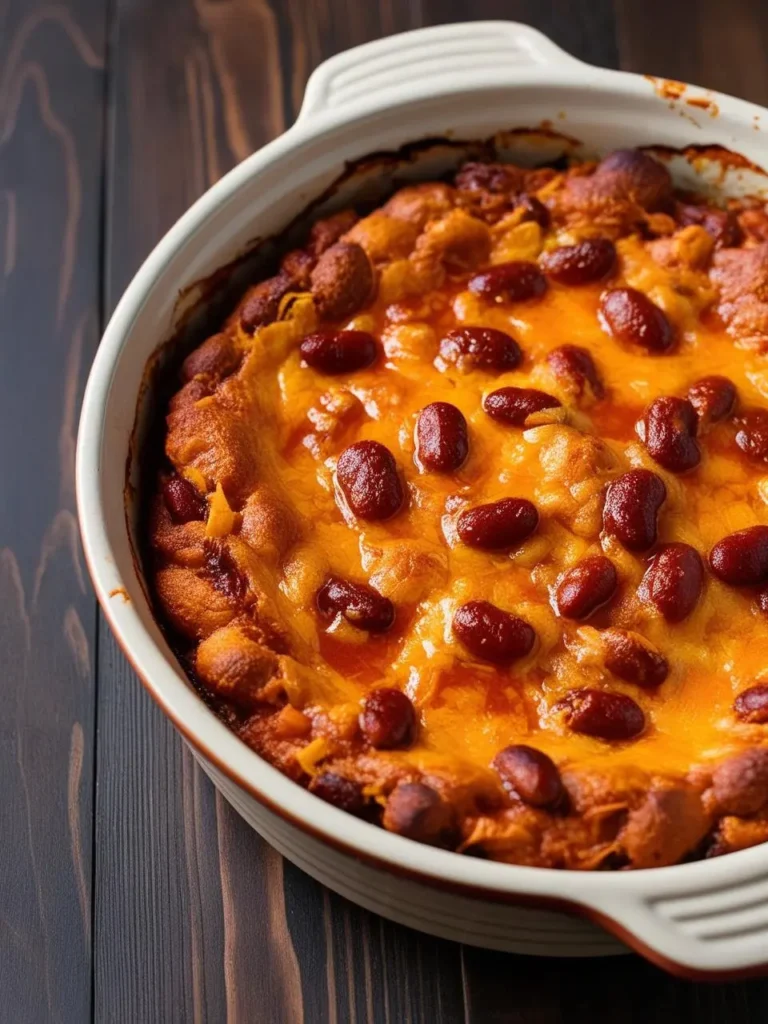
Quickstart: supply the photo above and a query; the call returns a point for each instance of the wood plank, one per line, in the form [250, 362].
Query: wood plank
[51, 112]
[585, 30]
[197, 918]
[703, 42]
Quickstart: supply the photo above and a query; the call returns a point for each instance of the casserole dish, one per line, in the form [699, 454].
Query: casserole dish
[460, 82]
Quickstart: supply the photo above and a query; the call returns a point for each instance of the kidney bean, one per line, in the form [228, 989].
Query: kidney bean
[479, 176]
[367, 475]
[491, 634]
[633, 659]
[530, 775]
[442, 441]
[721, 224]
[575, 367]
[480, 348]
[335, 352]
[498, 526]
[630, 317]
[361, 606]
[607, 716]
[388, 719]
[631, 509]
[668, 430]
[416, 811]
[752, 705]
[741, 558]
[752, 434]
[533, 209]
[342, 281]
[513, 406]
[224, 573]
[591, 260]
[509, 282]
[638, 177]
[183, 500]
[740, 784]
[585, 587]
[674, 580]
[713, 398]
[339, 791]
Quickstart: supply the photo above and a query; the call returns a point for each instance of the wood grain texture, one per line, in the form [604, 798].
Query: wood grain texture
[51, 112]
[196, 919]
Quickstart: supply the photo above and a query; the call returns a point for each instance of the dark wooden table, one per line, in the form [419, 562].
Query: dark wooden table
[129, 891]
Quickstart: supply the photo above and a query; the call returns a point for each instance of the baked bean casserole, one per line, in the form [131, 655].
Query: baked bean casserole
[464, 516]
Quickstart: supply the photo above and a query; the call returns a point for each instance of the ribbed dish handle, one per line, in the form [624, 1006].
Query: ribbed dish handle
[414, 63]
[719, 930]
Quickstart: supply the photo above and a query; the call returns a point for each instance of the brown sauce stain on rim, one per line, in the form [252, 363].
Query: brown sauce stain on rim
[666, 88]
[121, 592]
[703, 103]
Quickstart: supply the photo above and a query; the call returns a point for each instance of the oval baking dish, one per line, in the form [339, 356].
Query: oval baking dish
[467, 81]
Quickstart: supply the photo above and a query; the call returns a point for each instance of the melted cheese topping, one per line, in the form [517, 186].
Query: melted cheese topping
[270, 435]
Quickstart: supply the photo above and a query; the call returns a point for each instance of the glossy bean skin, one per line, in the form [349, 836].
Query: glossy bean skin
[490, 634]
[633, 659]
[442, 438]
[575, 367]
[674, 581]
[367, 475]
[632, 505]
[515, 281]
[362, 606]
[335, 352]
[339, 791]
[751, 705]
[512, 406]
[592, 260]
[713, 398]
[604, 715]
[480, 348]
[499, 525]
[418, 812]
[529, 774]
[183, 500]
[668, 430]
[585, 587]
[762, 601]
[632, 318]
[388, 719]
[741, 558]
[752, 434]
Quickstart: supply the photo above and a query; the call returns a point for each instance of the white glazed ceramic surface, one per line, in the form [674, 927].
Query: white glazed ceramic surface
[466, 81]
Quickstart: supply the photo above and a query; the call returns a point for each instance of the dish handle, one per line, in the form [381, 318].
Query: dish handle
[413, 63]
[720, 931]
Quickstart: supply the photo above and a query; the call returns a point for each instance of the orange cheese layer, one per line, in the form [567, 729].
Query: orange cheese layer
[298, 421]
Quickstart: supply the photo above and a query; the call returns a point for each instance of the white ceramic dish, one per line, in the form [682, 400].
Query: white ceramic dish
[469, 81]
